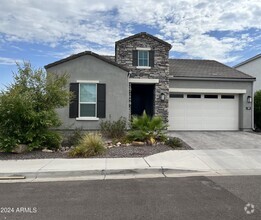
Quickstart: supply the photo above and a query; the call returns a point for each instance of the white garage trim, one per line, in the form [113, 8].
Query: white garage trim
[214, 91]
[144, 81]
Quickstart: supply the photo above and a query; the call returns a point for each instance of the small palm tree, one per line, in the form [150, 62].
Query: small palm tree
[146, 128]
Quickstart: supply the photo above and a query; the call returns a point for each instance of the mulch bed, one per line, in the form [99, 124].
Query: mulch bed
[115, 152]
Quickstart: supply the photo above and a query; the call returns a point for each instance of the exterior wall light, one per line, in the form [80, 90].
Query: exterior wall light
[249, 99]
[162, 97]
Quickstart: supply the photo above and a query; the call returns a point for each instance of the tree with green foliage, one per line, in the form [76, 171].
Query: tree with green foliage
[257, 109]
[27, 109]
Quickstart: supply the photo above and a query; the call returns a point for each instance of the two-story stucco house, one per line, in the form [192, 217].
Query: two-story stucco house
[252, 66]
[188, 94]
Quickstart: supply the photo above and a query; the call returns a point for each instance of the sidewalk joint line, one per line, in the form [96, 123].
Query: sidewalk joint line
[163, 172]
[203, 161]
[146, 161]
[37, 172]
[105, 169]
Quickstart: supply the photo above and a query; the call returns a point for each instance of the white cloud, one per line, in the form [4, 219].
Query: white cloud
[9, 61]
[96, 25]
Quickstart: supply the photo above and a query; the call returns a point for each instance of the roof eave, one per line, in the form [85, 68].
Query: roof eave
[211, 78]
[247, 61]
[143, 33]
[72, 57]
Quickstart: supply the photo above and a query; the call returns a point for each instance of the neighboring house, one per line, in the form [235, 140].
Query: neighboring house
[252, 67]
[188, 94]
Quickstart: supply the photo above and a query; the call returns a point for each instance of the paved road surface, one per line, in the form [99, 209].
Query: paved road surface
[159, 198]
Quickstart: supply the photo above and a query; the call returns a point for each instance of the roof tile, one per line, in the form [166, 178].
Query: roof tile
[204, 69]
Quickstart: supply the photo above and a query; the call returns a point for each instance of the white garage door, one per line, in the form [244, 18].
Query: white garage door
[203, 112]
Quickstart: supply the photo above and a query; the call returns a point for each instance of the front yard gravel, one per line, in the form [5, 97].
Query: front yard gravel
[114, 152]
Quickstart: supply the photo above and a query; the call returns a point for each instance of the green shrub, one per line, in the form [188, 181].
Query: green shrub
[90, 145]
[75, 137]
[145, 128]
[52, 140]
[257, 109]
[114, 129]
[27, 109]
[173, 142]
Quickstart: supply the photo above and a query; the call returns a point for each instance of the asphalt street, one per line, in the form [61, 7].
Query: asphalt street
[155, 198]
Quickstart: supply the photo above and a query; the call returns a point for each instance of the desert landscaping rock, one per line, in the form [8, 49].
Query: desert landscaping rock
[21, 148]
[32, 155]
[133, 151]
[124, 151]
[138, 143]
[47, 150]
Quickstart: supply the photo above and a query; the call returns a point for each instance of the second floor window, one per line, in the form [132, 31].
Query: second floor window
[143, 58]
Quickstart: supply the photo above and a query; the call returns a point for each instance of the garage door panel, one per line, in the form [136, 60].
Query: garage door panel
[195, 123]
[180, 123]
[203, 113]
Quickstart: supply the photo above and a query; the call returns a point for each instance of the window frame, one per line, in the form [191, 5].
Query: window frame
[176, 95]
[227, 97]
[194, 96]
[79, 104]
[210, 96]
[148, 58]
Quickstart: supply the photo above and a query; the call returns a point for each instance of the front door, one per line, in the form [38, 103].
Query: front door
[142, 98]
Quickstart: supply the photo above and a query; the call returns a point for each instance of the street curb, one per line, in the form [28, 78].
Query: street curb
[56, 176]
[91, 174]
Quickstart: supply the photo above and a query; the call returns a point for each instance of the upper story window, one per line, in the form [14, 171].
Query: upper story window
[143, 58]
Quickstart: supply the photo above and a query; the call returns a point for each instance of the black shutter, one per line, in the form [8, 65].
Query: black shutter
[74, 104]
[101, 100]
[151, 57]
[134, 58]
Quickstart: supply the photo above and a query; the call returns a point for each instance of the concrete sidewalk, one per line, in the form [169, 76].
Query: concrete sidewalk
[166, 164]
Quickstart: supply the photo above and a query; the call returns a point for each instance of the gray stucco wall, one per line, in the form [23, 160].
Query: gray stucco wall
[91, 68]
[245, 116]
[253, 68]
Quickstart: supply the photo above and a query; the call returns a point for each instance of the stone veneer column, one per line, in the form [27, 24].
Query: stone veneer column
[160, 70]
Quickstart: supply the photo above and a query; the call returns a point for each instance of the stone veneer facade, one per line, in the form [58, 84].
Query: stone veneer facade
[123, 56]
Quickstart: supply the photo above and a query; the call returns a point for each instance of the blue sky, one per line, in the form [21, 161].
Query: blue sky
[45, 31]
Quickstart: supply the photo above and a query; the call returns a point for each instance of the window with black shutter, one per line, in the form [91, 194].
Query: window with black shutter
[101, 100]
[74, 104]
[143, 58]
[134, 58]
[88, 101]
[151, 58]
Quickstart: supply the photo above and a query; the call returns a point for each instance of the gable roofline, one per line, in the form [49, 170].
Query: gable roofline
[142, 34]
[74, 56]
[248, 60]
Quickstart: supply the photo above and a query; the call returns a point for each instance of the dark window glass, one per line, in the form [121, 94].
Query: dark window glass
[227, 96]
[194, 96]
[143, 58]
[87, 110]
[176, 95]
[211, 96]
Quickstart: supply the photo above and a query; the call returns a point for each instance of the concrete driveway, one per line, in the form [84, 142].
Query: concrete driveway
[219, 139]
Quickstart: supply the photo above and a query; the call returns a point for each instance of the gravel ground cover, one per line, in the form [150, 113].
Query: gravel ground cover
[114, 152]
